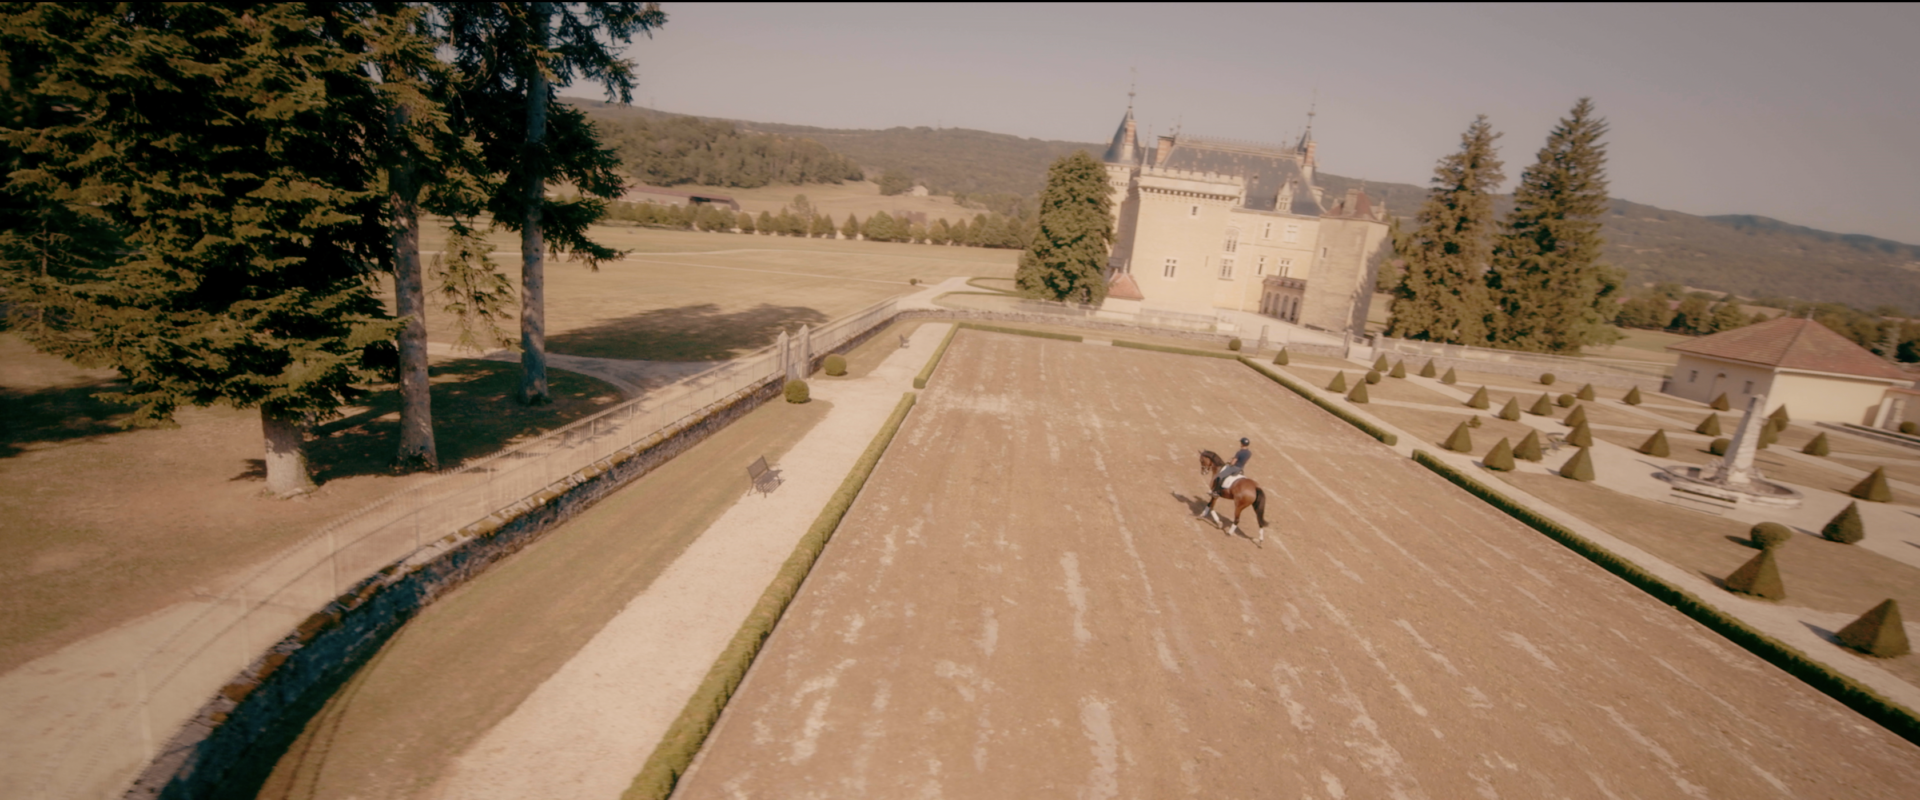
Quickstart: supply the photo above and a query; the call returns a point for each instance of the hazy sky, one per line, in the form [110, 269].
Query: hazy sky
[1808, 114]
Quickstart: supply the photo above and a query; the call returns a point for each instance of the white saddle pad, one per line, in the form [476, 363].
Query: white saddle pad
[1227, 485]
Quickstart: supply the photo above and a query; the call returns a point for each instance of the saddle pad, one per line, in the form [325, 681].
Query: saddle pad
[1227, 484]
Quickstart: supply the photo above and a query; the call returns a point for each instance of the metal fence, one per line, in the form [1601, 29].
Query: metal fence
[218, 638]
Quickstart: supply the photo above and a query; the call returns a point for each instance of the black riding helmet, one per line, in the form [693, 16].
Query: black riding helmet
[1244, 441]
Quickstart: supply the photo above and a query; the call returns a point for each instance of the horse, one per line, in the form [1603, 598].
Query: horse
[1244, 492]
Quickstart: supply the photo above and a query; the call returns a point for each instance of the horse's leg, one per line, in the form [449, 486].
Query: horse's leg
[1260, 512]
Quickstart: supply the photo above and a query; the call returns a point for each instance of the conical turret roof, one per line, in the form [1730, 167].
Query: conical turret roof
[1124, 145]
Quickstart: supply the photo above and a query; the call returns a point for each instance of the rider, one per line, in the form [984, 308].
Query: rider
[1238, 466]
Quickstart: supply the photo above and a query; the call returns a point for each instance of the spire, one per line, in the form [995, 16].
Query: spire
[1124, 143]
[1306, 136]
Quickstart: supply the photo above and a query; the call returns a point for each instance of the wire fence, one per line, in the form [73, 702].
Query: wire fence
[224, 632]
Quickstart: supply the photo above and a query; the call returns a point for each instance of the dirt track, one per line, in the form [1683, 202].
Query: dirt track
[972, 633]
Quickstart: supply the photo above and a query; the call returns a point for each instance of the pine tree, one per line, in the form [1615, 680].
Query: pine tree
[939, 233]
[766, 224]
[823, 226]
[744, 221]
[1441, 296]
[1069, 255]
[1547, 280]
[851, 230]
[881, 227]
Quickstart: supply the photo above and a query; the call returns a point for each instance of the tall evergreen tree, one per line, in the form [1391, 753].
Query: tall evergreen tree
[1547, 279]
[744, 221]
[1442, 296]
[1068, 256]
[937, 233]
[822, 226]
[851, 230]
[880, 227]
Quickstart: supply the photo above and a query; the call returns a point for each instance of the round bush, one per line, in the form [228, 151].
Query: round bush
[1769, 535]
[1564, 400]
[1373, 376]
[835, 365]
[1909, 428]
[1719, 446]
[913, 281]
[797, 392]
[1233, 344]
[1546, 379]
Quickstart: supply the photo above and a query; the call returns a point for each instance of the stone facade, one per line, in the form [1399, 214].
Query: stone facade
[1203, 224]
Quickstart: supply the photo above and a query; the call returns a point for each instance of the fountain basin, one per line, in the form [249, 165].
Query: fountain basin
[1753, 492]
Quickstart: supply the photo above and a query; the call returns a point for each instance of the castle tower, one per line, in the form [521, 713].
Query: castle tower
[1123, 164]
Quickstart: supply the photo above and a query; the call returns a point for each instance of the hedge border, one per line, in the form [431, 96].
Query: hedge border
[1164, 348]
[1902, 721]
[1065, 337]
[1386, 437]
[926, 373]
[689, 731]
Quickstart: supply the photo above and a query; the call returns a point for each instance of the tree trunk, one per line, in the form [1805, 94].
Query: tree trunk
[286, 453]
[533, 318]
[417, 450]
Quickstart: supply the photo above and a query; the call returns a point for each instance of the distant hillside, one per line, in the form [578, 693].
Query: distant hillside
[1746, 255]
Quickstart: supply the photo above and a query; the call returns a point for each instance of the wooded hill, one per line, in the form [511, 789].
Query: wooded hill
[1750, 256]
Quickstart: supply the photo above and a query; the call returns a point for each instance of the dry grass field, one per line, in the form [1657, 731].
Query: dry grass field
[862, 198]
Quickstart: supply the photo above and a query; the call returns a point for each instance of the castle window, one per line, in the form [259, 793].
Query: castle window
[1195, 212]
[1693, 375]
[1226, 269]
[1749, 389]
[1260, 267]
[1267, 232]
[1173, 265]
[1233, 241]
[1323, 252]
[1293, 233]
[1286, 267]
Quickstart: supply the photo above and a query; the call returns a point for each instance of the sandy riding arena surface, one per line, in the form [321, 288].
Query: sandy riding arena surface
[1022, 605]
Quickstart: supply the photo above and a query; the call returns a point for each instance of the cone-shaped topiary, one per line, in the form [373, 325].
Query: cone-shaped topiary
[1759, 577]
[1874, 487]
[1564, 400]
[1709, 426]
[1399, 370]
[1479, 398]
[1780, 418]
[1359, 393]
[1719, 446]
[1818, 445]
[1846, 526]
[1500, 457]
[1575, 417]
[1473, 421]
[1542, 407]
[1546, 379]
[797, 391]
[1633, 397]
[1234, 344]
[1529, 448]
[1580, 436]
[1586, 392]
[1460, 441]
[1878, 632]
[1510, 411]
[1909, 428]
[1428, 371]
[1769, 535]
[1580, 467]
[1720, 403]
[835, 365]
[1380, 365]
[1656, 444]
[1768, 435]
[1373, 376]
[1449, 378]
[1339, 382]
[1280, 359]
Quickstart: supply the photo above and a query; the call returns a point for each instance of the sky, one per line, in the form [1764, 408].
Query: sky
[1808, 114]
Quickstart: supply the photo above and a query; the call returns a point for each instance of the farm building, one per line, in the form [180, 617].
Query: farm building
[1819, 375]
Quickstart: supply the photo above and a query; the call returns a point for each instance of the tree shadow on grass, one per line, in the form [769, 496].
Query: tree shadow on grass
[59, 414]
[688, 333]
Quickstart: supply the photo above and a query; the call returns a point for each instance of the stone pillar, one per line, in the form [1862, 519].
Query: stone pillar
[1263, 340]
[1736, 469]
[783, 351]
[803, 344]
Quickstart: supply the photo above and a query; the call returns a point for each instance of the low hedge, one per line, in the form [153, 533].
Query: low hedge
[1162, 348]
[926, 373]
[1902, 721]
[1065, 337]
[684, 738]
[1370, 429]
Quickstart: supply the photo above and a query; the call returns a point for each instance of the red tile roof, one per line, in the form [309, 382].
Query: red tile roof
[1792, 344]
[1123, 288]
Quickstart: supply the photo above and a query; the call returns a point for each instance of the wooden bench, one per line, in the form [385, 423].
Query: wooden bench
[764, 478]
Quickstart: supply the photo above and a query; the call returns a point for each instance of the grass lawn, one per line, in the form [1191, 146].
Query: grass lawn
[1640, 345]
[105, 524]
[468, 660]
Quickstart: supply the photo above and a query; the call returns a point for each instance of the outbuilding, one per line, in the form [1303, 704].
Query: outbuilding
[1819, 375]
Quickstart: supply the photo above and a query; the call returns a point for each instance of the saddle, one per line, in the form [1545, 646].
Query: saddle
[1226, 484]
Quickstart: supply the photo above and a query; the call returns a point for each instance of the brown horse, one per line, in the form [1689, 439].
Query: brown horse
[1244, 492]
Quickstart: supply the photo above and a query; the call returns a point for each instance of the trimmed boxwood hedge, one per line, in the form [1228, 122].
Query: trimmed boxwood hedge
[1903, 722]
[1065, 337]
[1370, 429]
[689, 731]
[1161, 348]
[926, 373]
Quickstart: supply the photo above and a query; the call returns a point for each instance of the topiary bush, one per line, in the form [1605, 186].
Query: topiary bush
[1449, 378]
[1460, 441]
[1580, 436]
[1479, 398]
[1719, 446]
[1759, 577]
[1473, 421]
[1586, 392]
[1529, 448]
[1373, 376]
[1380, 365]
[1510, 411]
[1818, 445]
[1500, 458]
[1578, 416]
[1542, 407]
[1633, 397]
[1428, 371]
[1564, 400]
[1280, 359]
[1846, 527]
[1339, 382]
[1709, 426]
[835, 365]
[1878, 633]
[1579, 467]
[796, 391]
[1234, 344]
[1399, 370]
[1909, 428]
[1770, 535]
[1874, 487]
[1359, 393]
[1720, 403]
[1656, 445]
[1546, 379]
[1780, 418]
[1768, 435]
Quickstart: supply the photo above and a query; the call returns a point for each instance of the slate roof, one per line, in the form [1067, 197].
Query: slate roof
[1792, 344]
[1265, 170]
[1122, 149]
[1122, 287]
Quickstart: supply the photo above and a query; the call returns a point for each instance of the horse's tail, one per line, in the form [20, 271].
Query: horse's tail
[1260, 505]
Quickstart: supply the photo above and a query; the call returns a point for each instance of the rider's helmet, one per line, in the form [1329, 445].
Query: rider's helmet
[1244, 441]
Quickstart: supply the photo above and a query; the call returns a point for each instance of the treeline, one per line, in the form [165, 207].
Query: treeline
[984, 230]
[1668, 306]
[674, 150]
